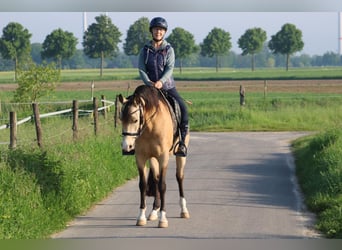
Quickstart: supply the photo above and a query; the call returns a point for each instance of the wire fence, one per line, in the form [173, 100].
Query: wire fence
[70, 111]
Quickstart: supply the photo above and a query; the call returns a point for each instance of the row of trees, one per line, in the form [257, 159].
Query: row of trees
[100, 43]
[263, 59]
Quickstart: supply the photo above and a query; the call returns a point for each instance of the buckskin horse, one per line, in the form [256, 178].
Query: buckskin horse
[150, 132]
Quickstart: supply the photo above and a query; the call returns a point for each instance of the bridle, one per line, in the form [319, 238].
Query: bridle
[141, 123]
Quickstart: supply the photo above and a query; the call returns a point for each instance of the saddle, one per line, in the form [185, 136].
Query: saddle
[175, 112]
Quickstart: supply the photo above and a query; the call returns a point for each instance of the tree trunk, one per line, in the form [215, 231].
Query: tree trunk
[287, 61]
[15, 68]
[252, 62]
[60, 62]
[217, 63]
[102, 58]
[180, 65]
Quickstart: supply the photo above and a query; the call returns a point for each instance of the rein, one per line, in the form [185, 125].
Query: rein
[142, 123]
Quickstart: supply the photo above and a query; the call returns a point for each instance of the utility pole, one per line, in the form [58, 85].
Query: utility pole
[340, 33]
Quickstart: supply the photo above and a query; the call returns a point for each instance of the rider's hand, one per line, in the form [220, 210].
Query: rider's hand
[158, 84]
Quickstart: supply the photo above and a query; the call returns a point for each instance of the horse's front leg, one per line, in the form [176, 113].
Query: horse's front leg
[153, 180]
[163, 222]
[141, 220]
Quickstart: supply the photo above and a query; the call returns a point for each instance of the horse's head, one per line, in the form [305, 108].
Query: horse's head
[143, 102]
[132, 121]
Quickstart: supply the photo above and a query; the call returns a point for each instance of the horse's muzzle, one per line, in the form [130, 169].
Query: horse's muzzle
[124, 152]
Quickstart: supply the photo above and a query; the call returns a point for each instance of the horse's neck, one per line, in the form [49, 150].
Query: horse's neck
[159, 120]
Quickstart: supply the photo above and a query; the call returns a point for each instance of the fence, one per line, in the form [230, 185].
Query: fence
[74, 110]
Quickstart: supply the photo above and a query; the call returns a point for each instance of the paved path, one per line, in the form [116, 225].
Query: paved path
[237, 185]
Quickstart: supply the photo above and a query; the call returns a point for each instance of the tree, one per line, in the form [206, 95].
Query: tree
[15, 44]
[183, 43]
[216, 43]
[36, 82]
[36, 53]
[330, 59]
[59, 45]
[77, 61]
[286, 42]
[101, 39]
[251, 42]
[137, 35]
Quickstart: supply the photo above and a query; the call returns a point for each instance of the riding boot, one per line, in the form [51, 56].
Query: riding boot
[182, 149]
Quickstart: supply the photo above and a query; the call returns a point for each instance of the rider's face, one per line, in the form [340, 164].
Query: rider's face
[158, 33]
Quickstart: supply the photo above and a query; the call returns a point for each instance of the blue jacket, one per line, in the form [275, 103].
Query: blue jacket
[157, 64]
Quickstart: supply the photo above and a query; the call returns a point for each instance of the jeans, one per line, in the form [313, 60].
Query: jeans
[184, 123]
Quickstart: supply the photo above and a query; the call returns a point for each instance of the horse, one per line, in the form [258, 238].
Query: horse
[150, 133]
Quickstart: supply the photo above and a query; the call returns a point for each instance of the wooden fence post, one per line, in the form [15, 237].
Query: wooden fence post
[242, 95]
[75, 119]
[38, 125]
[92, 86]
[265, 89]
[13, 130]
[103, 100]
[117, 111]
[96, 114]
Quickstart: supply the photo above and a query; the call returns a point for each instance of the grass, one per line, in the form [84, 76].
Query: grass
[198, 74]
[319, 168]
[217, 111]
[42, 189]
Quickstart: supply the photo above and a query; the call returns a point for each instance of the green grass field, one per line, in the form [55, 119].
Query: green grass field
[198, 74]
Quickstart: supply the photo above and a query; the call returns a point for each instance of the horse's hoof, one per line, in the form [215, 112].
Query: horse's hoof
[141, 222]
[153, 215]
[163, 224]
[185, 215]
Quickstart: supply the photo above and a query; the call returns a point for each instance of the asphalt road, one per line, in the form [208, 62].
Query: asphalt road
[237, 186]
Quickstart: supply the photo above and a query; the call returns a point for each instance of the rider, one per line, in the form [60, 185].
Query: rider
[156, 63]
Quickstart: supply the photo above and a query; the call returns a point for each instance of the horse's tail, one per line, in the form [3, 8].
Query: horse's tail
[151, 185]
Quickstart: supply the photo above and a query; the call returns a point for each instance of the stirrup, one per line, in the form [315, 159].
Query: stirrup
[182, 150]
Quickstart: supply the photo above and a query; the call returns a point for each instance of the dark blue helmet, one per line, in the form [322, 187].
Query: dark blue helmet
[158, 22]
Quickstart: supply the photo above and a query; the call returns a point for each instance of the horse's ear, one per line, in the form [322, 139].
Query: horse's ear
[122, 99]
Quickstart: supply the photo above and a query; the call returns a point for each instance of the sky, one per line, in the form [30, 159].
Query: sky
[319, 29]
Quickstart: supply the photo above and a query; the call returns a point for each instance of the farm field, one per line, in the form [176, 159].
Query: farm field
[295, 86]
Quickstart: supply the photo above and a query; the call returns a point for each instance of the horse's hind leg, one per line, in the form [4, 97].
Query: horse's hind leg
[180, 162]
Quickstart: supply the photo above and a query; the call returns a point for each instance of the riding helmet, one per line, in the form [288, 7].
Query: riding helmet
[158, 22]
